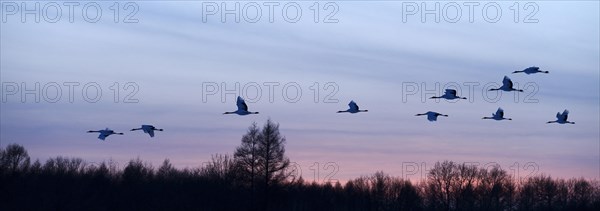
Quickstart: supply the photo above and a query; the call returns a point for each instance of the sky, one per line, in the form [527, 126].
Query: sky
[162, 60]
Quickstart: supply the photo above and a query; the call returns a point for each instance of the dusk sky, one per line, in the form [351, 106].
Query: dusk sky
[370, 56]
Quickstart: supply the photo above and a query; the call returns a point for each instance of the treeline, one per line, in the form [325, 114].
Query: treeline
[256, 178]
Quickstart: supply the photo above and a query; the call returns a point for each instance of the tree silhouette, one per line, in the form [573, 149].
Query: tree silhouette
[466, 181]
[272, 161]
[166, 170]
[246, 158]
[441, 184]
[580, 194]
[62, 183]
[14, 158]
[221, 169]
[496, 189]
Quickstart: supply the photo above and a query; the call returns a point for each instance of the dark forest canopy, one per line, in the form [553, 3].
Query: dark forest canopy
[256, 178]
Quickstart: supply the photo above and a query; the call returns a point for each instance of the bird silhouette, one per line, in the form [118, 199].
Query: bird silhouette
[242, 108]
[353, 108]
[104, 133]
[499, 115]
[449, 94]
[561, 118]
[149, 129]
[431, 116]
[531, 70]
[507, 85]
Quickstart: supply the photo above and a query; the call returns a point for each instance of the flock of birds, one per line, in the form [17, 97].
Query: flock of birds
[507, 85]
[149, 129]
[449, 94]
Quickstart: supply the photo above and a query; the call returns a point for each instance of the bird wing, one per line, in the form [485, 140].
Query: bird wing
[564, 115]
[450, 92]
[151, 133]
[146, 128]
[102, 136]
[507, 82]
[353, 105]
[241, 104]
[500, 112]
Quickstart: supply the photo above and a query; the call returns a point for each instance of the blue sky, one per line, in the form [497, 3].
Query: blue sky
[369, 54]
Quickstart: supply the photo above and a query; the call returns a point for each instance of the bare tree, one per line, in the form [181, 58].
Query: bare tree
[220, 168]
[379, 185]
[272, 161]
[64, 165]
[496, 189]
[137, 172]
[441, 179]
[580, 194]
[246, 155]
[466, 181]
[166, 170]
[246, 158]
[14, 158]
